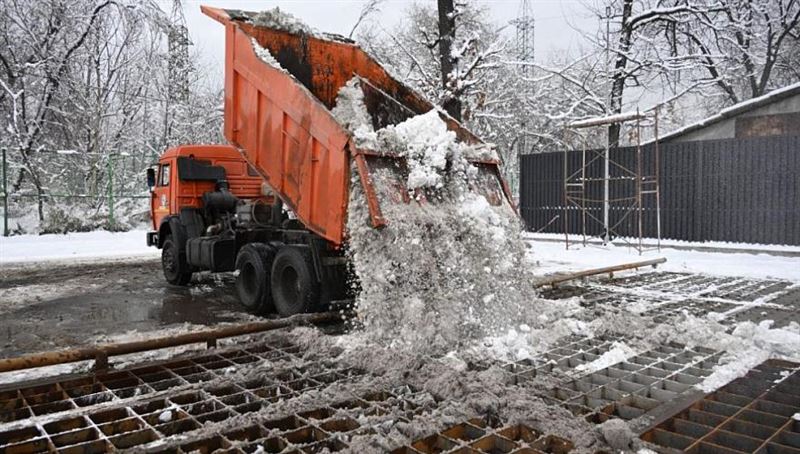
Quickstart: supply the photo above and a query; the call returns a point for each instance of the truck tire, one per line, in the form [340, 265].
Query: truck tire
[295, 288]
[253, 284]
[173, 263]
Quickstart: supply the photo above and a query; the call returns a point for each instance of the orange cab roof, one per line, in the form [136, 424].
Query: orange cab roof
[203, 151]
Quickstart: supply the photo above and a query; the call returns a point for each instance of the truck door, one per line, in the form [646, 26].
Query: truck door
[160, 200]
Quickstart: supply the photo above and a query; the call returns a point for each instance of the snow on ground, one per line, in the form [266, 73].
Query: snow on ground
[552, 257]
[99, 244]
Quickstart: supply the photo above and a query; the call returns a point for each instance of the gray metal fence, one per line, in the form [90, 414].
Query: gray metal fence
[738, 190]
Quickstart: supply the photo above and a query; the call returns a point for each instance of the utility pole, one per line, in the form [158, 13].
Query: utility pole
[525, 27]
[178, 66]
[606, 173]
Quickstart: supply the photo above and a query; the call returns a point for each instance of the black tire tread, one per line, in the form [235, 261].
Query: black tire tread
[184, 274]
[264, 254]
[301, 259]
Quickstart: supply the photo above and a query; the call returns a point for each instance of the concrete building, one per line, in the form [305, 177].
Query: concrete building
[776, 113]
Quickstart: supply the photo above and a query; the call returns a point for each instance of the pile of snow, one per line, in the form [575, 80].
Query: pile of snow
[449, 268]
[749, 345]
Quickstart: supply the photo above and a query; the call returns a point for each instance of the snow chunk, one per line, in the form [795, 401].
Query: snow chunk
[427, 144]
[749, 346]
[351, 113]
[619, 352]
[265, 56]
[165, 416]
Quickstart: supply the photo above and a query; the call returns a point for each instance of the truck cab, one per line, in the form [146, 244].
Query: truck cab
[184, 173]
[212, 211]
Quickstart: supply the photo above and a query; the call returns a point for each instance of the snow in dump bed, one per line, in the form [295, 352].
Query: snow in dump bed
[449, 267]
[265, 56]
[274, 18]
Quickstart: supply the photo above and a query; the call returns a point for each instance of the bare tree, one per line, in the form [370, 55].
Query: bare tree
[370, 8]
[447, 59]
[731, 51]
[83, 82]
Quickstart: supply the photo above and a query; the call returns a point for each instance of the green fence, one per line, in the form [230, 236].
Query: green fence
[110, 196]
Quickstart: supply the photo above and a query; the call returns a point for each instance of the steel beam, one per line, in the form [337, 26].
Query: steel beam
[595, 271]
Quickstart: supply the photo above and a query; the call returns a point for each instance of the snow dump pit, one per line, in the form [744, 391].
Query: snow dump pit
[754, 413]
[588, 391]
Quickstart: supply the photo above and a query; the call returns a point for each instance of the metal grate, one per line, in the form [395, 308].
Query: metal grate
[665, 295]
[214, 402]
[71, 394]
[135, 425]
[626, 390]
[87, 418]
[484, 436]
[753, 414]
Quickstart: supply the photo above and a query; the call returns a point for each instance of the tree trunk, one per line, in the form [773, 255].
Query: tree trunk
[447, 33]
[619, 77]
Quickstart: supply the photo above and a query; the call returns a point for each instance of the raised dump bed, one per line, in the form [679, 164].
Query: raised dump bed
[281, 84]
[280, 118]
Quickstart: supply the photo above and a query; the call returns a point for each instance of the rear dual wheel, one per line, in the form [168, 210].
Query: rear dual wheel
[284, 281]
[295, 288]
[252, 284]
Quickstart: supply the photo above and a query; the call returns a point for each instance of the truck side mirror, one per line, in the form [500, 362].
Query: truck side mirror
[151, 178]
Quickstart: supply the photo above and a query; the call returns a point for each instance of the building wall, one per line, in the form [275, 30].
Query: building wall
[777, 118]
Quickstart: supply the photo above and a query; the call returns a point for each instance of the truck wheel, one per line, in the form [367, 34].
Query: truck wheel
[173, 263]
[295, 290]
[252, 284]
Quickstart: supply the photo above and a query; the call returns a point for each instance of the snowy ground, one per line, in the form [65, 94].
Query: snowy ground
[552, 257]
[79, 247]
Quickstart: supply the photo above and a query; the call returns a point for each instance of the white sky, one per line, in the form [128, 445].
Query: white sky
[556, 20]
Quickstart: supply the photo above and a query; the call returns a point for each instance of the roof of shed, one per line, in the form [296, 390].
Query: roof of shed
[737, 109]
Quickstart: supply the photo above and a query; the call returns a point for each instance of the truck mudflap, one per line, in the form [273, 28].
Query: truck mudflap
[280, 118]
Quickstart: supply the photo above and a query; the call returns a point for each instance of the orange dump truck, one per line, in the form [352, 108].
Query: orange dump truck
[227, 207]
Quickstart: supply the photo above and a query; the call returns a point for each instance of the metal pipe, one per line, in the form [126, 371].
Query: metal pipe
[595, 271]
[102, 352]
[609, 120]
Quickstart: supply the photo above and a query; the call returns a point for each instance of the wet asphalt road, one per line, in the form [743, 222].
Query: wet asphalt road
[60, 306]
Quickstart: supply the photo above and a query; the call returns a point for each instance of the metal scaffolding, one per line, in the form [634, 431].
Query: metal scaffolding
[577, 200]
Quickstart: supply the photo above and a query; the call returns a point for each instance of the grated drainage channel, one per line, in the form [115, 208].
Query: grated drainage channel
[487, 436]
[627, 390]
[756, 413]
